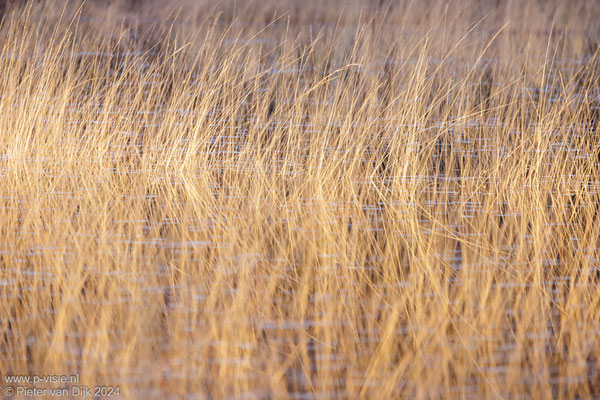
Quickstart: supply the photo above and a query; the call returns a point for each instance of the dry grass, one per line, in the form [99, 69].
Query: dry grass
[241, 200]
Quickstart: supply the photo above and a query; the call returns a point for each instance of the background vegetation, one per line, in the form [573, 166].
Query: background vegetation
[249, 200]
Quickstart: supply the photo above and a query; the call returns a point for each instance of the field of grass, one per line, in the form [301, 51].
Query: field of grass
[249, 199]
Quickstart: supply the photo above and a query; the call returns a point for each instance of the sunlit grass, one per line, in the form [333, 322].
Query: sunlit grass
[381, 202]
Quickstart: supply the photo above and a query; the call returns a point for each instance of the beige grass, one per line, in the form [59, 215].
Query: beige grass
[248, 201]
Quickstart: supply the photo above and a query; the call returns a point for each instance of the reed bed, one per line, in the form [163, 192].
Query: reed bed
[292, 200]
